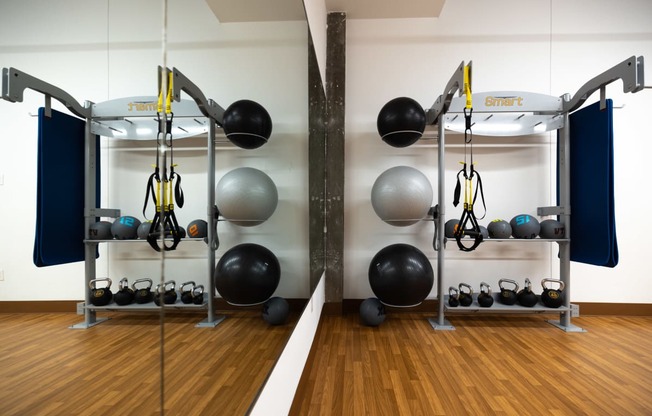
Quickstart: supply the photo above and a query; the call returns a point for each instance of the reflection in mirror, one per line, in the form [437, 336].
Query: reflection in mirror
[262, 61]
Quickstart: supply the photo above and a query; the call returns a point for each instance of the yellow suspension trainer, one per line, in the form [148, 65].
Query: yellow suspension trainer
[161, 186]
[469, 195]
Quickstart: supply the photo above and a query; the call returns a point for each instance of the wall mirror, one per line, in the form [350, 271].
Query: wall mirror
[113, 52]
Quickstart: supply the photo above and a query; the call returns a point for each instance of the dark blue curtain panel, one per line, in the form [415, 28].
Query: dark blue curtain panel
[593, 225]
[60, 189]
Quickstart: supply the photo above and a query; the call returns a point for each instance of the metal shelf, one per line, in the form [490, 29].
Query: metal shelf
[145, 307]
[498, 307]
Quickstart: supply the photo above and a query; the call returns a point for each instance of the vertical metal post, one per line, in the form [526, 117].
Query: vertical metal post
[90, 193]
[440, 323]
[564, 199]
[211, 218]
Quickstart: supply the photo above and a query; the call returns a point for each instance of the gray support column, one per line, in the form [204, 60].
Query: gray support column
[90, 193]
[316, 167]
[335, 80]
[564, 201]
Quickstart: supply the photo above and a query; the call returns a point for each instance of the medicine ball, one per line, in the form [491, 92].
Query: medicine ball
[276, 311]
[450, 226]
[100, 230]
[401, 275]
[401, 196]
[247, 124]
[401, 122]
[143, 230]
[246, 196]
[484, 231]
[372, 312]
[525, 226]
[247, 274]
[197, 229]
[125, 228]
[552, 229]
[499, 229]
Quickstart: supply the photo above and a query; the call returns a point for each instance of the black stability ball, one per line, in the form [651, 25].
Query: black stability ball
[401, 275]
[247, 124]
[247, 274]
[401, 122]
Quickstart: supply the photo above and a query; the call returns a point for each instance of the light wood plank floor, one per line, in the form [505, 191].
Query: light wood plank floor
[490, 365]
[113, 368]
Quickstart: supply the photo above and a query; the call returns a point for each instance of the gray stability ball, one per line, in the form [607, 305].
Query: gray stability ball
[246, 196]
[276, 311]
[401, 196]
[372, 312]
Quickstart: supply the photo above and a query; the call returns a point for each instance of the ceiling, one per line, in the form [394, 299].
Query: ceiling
[261, 10]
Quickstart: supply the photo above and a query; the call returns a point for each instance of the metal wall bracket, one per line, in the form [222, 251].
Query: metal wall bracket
[14, 83]
[102, 212]
[208, 107]
[455, 84]
[543, 211]
[630, 71]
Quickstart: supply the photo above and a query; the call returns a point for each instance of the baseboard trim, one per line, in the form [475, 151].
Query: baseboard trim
[586, 308]
[62, 306]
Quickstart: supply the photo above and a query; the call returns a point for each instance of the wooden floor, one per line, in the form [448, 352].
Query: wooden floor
[489, 365]
[113, 368]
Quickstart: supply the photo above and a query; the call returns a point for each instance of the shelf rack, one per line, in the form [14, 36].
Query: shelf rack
[132, 118]
[513, 113]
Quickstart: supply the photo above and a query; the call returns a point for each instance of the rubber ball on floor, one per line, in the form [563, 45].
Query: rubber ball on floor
[372, 312]
[401, 275]
[247, 274]
[276, 311]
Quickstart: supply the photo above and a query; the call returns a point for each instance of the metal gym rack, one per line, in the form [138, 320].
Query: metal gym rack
[536, 113]
[132, 118]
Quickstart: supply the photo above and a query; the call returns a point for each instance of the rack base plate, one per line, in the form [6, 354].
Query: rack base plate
[445, 327]
[215, 322]
[84, 325]
[567, 328]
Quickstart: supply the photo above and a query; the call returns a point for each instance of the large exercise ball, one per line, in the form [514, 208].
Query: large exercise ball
[401, 275]
[247, 124]
[276, 311]
[125, 228]
[499, 229]
[401, 196]
[197, 229]
[525, 226]
[246, 196]
[247, 274]
[372, 312]
[401, 122]
[552, 229]
[100, 230]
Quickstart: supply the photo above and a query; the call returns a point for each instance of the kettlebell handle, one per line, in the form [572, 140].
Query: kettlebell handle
[92, 284]
[170, 283]
[124, 283]
[149, 281]
[485, 285]
[189, 283]
[468, 287]
[453, 292]
[528, 284]
[510, 281]
[198, 290]
[561, 284]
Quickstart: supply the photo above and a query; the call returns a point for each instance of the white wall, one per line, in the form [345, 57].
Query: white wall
[550, 47]
[104, 50]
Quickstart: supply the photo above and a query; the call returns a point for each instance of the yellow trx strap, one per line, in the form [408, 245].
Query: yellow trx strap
[168, 96]
[467, 87]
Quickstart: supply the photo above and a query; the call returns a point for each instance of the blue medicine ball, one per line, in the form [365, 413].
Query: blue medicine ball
[525, 226]
[125, 228]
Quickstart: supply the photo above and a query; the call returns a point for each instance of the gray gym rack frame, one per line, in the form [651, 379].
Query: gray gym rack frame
[537, 113]
[116, 118]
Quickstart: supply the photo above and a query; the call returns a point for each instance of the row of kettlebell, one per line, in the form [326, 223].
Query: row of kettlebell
[140, 292]
[509, 294]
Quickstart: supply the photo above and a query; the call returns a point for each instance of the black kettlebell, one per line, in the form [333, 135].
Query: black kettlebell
[125, 295]
[168, 291]
[485, 298]
[100, 296]
[526, 297]
[144, 294]
[552, 298]
[507, 296]
[186, 294]
[198, 294]
[453, 297]
[466, 298]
